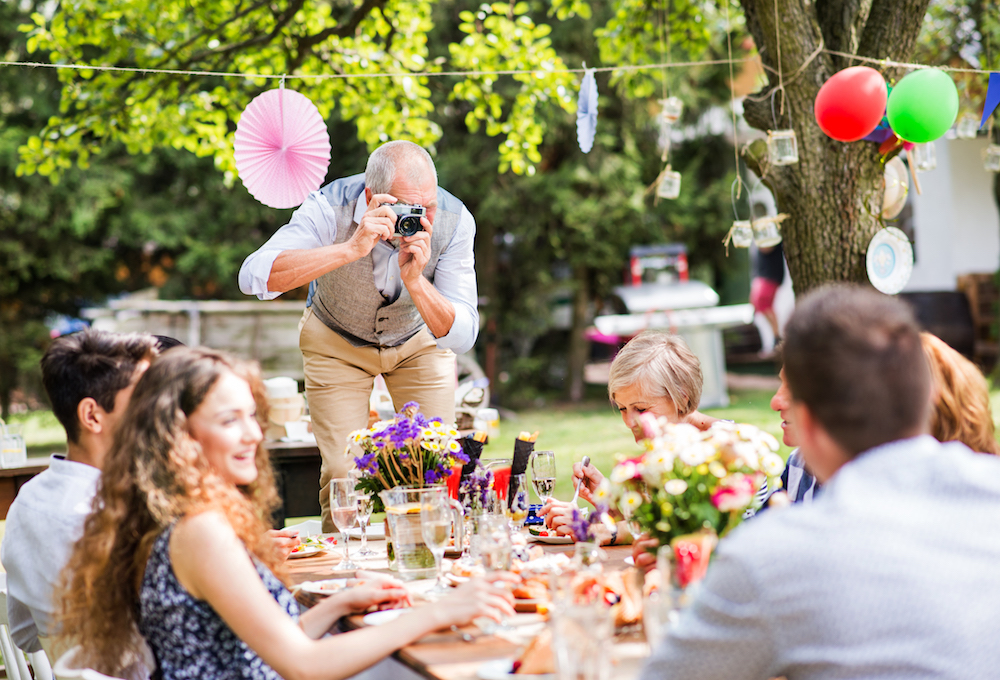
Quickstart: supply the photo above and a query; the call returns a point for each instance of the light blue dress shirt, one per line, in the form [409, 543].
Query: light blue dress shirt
[889, 573]
[314, 225]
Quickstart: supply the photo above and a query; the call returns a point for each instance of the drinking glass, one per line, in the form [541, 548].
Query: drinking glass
[543, 474]
[435, 525]
[365, 505]
[518, 502]
[344, 509]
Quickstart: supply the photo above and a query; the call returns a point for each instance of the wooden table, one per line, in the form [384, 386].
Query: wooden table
[443, 655]
[12, 479]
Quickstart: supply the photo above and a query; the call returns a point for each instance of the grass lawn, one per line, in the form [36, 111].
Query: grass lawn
[596, 430]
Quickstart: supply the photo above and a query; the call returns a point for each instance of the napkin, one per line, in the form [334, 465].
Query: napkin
[522, 452]
[473, 450]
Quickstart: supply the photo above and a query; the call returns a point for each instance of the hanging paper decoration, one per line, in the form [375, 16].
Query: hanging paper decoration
[671, 108]
[586, 112]
[889, 260]
[992, 97]
[923, 105]
[851, 103]
[897, 187]
[282, 148]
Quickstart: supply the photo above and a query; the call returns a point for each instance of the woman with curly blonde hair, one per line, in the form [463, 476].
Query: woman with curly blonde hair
[961, 398]
[175, 547]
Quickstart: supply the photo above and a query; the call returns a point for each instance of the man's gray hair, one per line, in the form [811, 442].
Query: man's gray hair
[660, 365]
[409, 160]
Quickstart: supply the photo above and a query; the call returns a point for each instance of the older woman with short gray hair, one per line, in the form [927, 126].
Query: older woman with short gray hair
[654, 373]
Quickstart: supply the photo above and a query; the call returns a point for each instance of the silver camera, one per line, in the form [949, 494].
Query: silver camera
[407, 218]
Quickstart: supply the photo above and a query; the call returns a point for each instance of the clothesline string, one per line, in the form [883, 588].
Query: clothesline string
[422, 74]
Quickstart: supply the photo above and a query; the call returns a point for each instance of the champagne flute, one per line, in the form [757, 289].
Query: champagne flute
[518, 502]
[435, 525]
[365, 506]
[344, 508]
[543, 474]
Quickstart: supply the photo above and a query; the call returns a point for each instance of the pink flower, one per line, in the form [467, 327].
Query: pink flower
[735, 492]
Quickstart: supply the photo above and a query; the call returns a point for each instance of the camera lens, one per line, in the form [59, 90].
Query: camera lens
[408, 226]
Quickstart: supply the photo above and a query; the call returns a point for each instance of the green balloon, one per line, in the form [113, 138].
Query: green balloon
[922, 106]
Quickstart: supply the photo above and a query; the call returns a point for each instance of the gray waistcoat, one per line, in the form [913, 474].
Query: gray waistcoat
[347, 300]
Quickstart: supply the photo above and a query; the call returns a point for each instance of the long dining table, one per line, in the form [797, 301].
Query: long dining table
[457, 654]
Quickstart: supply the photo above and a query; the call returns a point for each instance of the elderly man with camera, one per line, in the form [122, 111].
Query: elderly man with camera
[389, 258]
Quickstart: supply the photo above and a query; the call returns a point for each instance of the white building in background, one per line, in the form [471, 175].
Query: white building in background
[956, 223]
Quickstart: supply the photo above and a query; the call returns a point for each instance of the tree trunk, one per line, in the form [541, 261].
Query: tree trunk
[578, 345]
[833, 195]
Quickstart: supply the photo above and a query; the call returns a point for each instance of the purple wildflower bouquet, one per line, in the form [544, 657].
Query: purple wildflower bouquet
[475, 489]
[583, 525]
[409, 450]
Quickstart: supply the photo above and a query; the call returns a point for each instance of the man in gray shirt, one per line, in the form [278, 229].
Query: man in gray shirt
[889, 573]
[379, 303]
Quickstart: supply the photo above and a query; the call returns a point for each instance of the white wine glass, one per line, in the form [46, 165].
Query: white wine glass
[344, 509]
[365, 506]
[543, 474]
[435, 525]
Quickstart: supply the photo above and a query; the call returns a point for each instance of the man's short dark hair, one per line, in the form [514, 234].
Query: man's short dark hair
[94, 364]
[854, 357]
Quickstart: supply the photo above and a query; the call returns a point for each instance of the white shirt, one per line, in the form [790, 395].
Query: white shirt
[44, 521]
[314, 225]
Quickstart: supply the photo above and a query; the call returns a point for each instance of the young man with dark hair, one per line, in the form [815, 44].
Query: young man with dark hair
[887, 572]
[89, 377]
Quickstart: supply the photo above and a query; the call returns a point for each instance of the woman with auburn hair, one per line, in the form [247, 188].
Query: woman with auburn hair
[175, 548]
[961, 398]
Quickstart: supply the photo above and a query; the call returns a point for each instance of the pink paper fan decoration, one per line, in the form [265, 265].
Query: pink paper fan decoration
[282, 148]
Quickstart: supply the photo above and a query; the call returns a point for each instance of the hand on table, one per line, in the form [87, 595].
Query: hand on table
[382, 593]
[644, 559]
[558, 515]
[283, 540]
[589, 478]
[481, 597]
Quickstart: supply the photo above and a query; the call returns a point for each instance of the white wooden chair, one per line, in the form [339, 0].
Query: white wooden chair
[15, 663]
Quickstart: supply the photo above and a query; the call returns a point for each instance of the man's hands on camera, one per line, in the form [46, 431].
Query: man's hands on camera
[378, 222]
[414, 253]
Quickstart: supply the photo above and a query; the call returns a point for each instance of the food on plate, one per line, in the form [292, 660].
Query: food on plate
[537, 658]
[531, 589]
[466, 570]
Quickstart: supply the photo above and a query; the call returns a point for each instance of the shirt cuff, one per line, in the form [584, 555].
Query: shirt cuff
[462, 335]
[255, 272]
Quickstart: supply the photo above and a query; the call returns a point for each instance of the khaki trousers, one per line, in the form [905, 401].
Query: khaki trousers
[339, 382]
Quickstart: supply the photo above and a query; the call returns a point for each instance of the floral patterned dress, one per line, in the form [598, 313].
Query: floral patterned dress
[188, 638]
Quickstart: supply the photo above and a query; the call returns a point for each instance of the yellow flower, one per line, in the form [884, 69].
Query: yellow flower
[452, 432]
[630, 502]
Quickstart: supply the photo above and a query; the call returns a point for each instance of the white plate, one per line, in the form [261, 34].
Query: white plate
[500, 669]
[889, 260]
[630, 561]
[306, 551]
[550, 539]
[378, 618]
[327, 587]
[375, 531]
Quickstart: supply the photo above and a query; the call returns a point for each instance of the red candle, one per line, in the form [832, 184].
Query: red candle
[454, 480]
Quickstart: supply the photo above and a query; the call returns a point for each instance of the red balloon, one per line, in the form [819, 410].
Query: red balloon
[851, 103]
